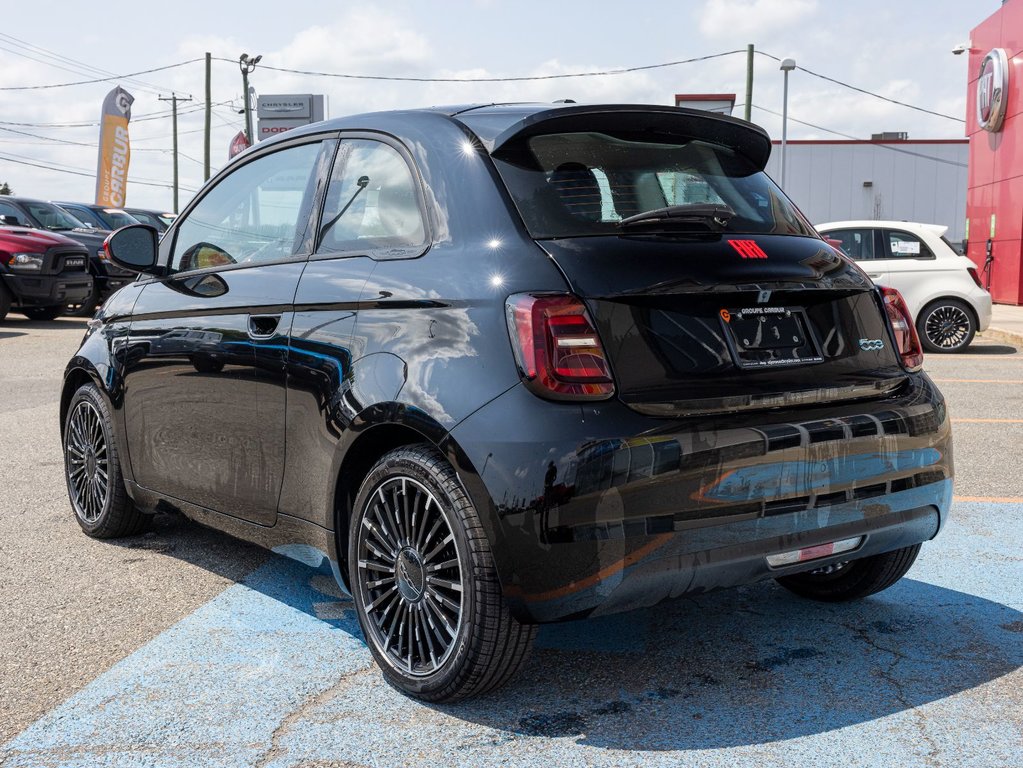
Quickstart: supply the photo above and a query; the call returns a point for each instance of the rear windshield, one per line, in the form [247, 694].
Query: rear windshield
[577, 184]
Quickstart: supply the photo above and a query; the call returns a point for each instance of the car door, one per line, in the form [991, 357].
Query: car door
[373, 215]
[205, 393]
[910, 265]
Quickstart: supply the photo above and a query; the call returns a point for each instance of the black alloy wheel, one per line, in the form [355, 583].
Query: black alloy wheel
[425, 588]
[92, 470]
[853, 579]
[946, 325]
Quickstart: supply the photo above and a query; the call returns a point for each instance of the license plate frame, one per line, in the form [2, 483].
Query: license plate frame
[769, 337]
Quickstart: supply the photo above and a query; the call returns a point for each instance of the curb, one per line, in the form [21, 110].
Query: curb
[1002, 335]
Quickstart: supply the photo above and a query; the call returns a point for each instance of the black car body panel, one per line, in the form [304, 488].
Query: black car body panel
[619, 511]
[254, 397]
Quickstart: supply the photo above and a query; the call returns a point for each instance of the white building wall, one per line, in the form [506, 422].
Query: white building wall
[910, 181]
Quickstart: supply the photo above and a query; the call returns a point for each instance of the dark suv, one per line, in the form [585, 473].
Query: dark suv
[107, 277]
[510, 364]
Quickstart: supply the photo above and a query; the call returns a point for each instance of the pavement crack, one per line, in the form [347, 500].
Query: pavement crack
[888, 675]
[311, 703]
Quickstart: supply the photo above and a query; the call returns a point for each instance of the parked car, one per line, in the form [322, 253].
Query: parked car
[941, 287]
[501, 365]
[107, 277]
[40, 272]
[161, 220]
[99, 216]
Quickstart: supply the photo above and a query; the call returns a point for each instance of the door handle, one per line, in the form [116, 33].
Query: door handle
[263, 326]
[874, 277]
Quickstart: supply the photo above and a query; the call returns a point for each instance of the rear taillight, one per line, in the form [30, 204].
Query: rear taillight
[557, 349]
[974, 274]
[910, 351]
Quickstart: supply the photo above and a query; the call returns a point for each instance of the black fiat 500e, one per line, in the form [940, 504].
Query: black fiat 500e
[510, 364]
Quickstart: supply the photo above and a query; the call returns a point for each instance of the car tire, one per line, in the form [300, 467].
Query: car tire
[87, 306]
[5, 301]
[854, 579]
[424, 584]
[946, 325]
[92, 470]
[43, 313]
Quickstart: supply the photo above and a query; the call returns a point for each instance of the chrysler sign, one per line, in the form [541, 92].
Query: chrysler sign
[992, 90]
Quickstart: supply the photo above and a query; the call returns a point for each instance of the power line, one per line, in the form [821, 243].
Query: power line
[135, 119]
[99, 79]
[855, 138]
[868, 93]
[53, 139]
[79, 172]
[623, 71]
[88, 68]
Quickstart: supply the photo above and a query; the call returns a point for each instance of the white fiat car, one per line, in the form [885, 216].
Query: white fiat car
[941, 287]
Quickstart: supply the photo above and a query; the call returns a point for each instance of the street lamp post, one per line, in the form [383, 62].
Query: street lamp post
[787, 65]
[246, 65]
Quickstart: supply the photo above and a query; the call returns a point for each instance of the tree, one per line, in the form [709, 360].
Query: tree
[5, 189]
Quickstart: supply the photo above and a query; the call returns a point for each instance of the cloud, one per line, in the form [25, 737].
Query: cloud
[745, 20]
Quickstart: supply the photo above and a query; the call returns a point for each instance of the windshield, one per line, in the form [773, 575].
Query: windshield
[52, 217]
[572, 184]
[116, 219]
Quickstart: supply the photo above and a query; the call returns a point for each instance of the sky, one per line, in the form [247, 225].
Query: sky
[899, 49]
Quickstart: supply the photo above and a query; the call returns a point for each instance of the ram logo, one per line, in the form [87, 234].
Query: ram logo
[871, 345]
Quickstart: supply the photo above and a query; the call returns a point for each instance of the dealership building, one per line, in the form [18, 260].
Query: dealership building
[994, 198]
[887, 177]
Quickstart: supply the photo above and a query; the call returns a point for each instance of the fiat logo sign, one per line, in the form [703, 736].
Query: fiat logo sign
[992, 89]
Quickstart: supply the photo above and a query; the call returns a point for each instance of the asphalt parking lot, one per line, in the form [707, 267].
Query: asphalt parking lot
[183, 647]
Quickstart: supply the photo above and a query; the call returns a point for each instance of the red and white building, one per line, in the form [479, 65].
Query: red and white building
[994, 124]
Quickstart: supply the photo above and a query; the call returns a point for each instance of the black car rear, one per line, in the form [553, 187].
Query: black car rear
[511, 364]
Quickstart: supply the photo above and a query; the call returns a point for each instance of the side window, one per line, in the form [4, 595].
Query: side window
[258, 213]
[6, 209]
[858, 243]
[85, 215]
[902, 245]
[371, 201]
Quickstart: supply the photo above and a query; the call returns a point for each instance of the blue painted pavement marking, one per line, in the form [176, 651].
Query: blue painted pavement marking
[274, 672]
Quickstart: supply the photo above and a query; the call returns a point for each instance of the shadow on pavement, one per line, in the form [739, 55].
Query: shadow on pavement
[738, 667]
[990, 349]
[21, 323]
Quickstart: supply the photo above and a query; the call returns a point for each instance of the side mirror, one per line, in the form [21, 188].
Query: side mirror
[134, 247]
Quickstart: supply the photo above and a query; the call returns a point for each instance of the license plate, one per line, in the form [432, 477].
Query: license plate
[762, 337]
[74, 262]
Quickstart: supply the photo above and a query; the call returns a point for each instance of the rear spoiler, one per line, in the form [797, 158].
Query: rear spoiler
[749, 140]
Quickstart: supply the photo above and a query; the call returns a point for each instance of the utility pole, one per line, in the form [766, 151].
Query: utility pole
[787, 65]
[749, 81]
[246, 65]
[209, 106]
[174, 99]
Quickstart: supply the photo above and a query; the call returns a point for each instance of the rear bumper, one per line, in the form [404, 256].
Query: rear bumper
[48, 290]
[596, 509]
[981, 301]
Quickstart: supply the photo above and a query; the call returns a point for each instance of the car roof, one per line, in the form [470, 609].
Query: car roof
[495, 124]
[935, 229]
